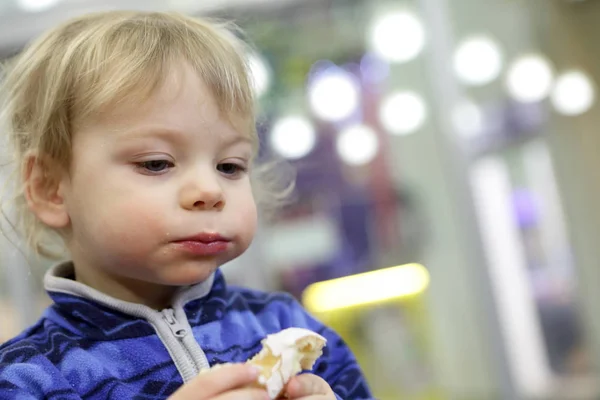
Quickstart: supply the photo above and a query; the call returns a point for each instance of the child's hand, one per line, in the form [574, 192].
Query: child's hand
[229, 382]
[309, 387]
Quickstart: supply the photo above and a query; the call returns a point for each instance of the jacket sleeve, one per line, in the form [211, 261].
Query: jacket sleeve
[337, 366]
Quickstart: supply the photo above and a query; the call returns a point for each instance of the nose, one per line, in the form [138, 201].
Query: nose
[203, 193]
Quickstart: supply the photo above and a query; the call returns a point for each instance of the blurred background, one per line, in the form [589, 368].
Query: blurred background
[446, 217]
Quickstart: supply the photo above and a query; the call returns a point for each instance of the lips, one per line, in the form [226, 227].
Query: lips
[205, 238]
[204, 244]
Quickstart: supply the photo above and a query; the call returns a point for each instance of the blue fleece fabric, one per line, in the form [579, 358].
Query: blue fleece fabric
[80, 349]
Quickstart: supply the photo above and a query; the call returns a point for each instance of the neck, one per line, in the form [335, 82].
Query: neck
[150, 294]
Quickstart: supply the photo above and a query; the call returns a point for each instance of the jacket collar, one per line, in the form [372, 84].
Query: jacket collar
[92, 313]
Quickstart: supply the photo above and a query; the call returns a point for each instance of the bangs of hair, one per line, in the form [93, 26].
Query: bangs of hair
[123, 62]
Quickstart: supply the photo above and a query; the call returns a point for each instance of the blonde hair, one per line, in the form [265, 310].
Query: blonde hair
[100, 60]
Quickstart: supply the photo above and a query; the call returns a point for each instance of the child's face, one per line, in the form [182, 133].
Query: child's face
[158, 195]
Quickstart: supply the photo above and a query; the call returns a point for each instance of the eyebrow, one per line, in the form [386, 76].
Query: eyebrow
[235, 139]
[169, 134]
[148, 133]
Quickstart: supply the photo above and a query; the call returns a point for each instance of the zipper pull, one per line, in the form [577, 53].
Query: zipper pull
[177, 328]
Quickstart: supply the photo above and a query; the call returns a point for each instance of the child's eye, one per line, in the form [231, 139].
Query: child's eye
[231, 169]
[155, 166]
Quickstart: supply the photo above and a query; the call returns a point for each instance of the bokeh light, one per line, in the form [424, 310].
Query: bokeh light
[36, 5]
[357, 145]
[333, 94]
[403, 113]
[529, 78]
[467, 119]
[573, 93]
[477, 61]
[261, 74]
[397, 37]
[293, 137]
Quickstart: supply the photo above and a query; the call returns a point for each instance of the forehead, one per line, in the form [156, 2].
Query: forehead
[181, 102]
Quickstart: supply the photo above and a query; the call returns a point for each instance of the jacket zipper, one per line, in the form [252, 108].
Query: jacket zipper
[179, 331]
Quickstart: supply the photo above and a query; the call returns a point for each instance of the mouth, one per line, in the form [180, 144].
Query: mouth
[204, 244]
[206, 238]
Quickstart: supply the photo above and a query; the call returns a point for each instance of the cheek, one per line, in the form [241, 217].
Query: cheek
[248, 218]
[120, 216]
[137, 217]
[123, 230]
[129, 215]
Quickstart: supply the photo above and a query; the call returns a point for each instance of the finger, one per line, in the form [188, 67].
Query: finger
[244, 394]
[307, 385]
[214, 382]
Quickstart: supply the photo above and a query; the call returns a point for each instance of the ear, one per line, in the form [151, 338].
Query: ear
[44, 188]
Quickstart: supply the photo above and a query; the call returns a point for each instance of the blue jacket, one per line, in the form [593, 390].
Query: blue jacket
[88, 345]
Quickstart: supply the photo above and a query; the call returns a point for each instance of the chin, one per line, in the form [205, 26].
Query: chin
[188, 276]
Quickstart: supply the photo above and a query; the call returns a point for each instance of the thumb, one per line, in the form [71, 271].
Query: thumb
[306, 385]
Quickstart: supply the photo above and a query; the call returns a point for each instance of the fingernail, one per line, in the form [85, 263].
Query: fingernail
[254, 371]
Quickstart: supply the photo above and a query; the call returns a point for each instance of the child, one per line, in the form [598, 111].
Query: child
[134, 137]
